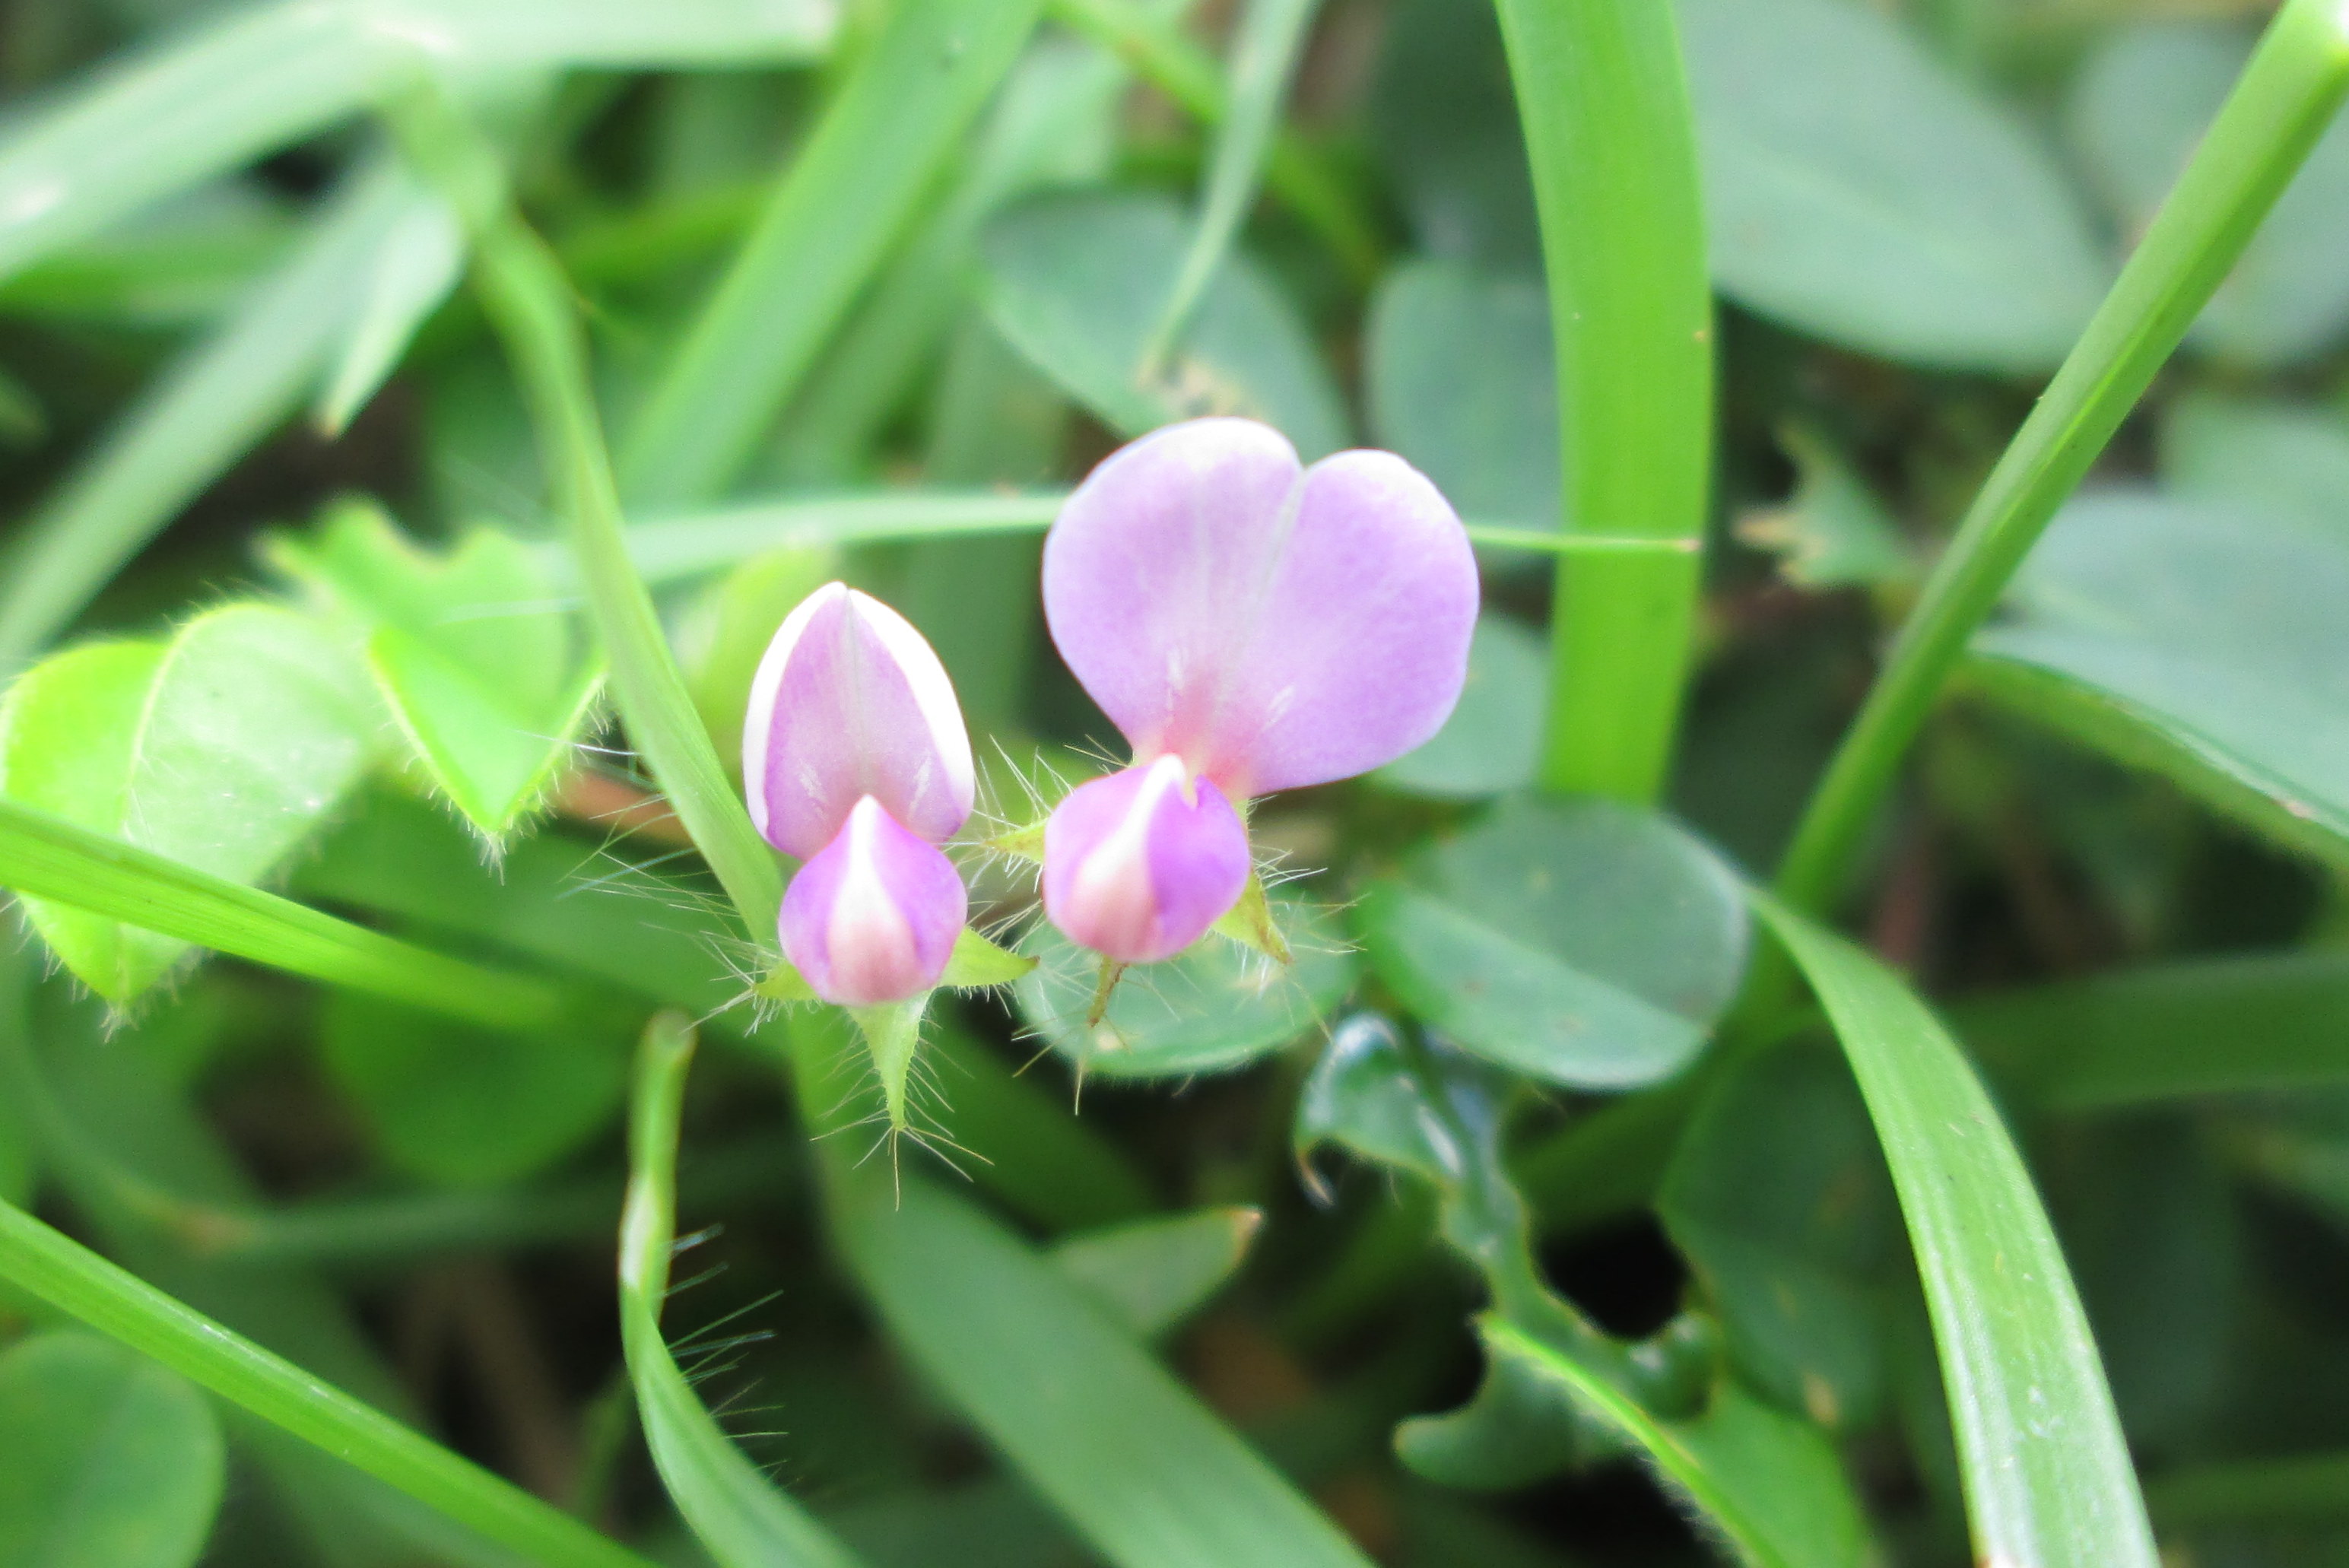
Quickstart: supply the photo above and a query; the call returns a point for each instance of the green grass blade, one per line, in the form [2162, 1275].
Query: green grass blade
[47, 858]
[2263, 1493]
[1127, 1455]
[1607, 129]
[1161, 52]
[677, 546]
[2256, 1023]
[834, 213]
[1264, 49]
[2047, 1471]
[530, 305]
[420, 260]
[202, 416]
[2281, 106]
[39, 1261]
[270, 76]
[744, 1521]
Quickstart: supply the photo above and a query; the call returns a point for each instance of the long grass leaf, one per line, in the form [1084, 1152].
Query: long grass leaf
[834, 213]
[205, 411]
[48, 1265]
[1265, 50]
[1126, 1454]
[1607, 129]
[2282, 103]
[2047, 1475]
[530, 305]
[44, 857]
[219, 98]
[744, 1521]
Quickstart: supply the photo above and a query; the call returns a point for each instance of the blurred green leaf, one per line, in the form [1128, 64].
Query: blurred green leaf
[113, 1462]
[1445, 125]
[1510, 1434]
[222, 749]
[726, 632]
[917, 86]
[1855, 190]
[472, 648]
[2292, 459]
[262, 77]
[419, 261]
[1833, 532]
[2202, 641]
[1460, 379]
[464, 1106]
[2136, 112]
[1778, 1198]
[1585, 944]
[1491, 743]
[740, 1518]
[1153, 1273]
[208, 408]
[2047, 1475]
[1127, 1455]
[2135, 1037]
[1073, 280]
[181, 264]
[1216, 1008]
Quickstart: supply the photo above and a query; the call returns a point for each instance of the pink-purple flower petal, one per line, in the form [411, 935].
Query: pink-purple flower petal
[850, 702]
[872, 916]
[1276, 626]
[1139, 864]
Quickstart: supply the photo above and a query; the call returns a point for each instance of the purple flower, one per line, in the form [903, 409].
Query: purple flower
[1249, 624]
[855, 759]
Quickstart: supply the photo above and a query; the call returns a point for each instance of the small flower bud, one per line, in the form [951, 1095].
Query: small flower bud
[850, 702]
[873, 916]
[1138, 865]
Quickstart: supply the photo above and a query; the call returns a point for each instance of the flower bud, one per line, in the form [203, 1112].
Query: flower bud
[1138, 865]
[850, 703]
[873, 916]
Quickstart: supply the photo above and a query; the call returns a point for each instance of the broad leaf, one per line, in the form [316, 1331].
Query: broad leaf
[2047, 1475]
[222, 749]
[1446, 127]
[2139, 109]
[1461, 380]
[1217, 1006]
[1857, 190]
[1491, 742]
[1778, 1198]
[2203, 641]
[2290, 458]
[465, 1107]
[1155, 1273]
[1832, 532]
[1072, 280]
[473, 650]
[1582, 944]
[113, 1462]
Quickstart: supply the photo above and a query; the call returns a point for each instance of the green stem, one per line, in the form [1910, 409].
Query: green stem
[1608, 131]
[529, 303]
[78, 1281]
[1184, 72]
[2287, 95]
[45, 857]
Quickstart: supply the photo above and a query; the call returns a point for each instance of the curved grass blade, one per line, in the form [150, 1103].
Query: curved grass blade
[266, 76]
[2047, 1474]
[1270, 34]
[744, 1521]
[530, 305]
[674, 547]
[202, 414]
[44, 857]
[1609, 130]
[41, 1262]
[420, 260]
[873, 158]
[2282, 103]
[1127, 1455]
